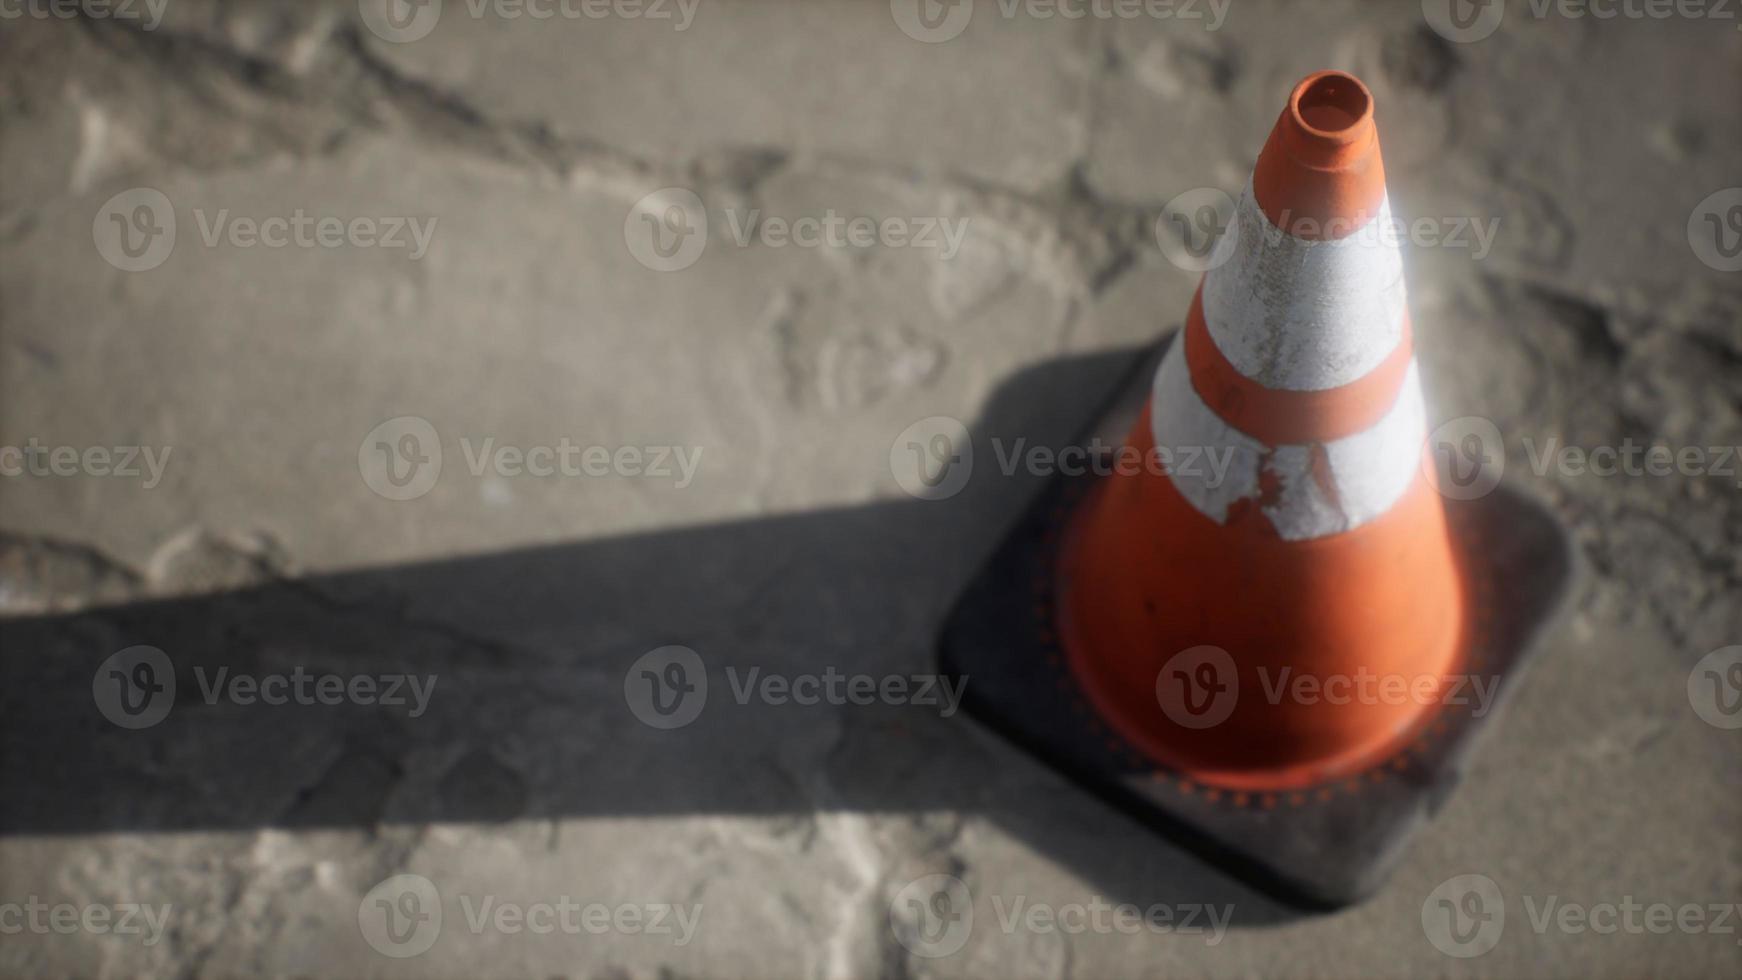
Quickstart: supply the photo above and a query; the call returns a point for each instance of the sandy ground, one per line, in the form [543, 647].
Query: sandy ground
[505, 290]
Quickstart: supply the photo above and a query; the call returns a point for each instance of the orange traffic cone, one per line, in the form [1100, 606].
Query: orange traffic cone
[1142, 628]
[1322, 550]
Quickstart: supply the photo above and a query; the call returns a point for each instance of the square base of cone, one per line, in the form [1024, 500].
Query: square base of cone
[1322, 846]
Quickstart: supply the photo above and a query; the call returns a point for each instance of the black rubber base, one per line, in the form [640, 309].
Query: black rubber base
[1325, 846]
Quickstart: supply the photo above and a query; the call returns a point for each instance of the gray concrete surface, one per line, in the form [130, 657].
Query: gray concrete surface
[1596, 316]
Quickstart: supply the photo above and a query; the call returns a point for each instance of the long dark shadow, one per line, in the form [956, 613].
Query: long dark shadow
[529, 652]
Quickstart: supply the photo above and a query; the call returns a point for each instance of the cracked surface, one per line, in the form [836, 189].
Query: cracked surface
[529, 321]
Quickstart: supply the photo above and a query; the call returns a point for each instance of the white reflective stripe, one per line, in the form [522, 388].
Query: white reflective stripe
[1179, 419]
[1214, 465]
[1305, 315]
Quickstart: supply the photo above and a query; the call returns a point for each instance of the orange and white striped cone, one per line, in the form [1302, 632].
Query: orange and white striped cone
[1173, 612]
[1323, 546]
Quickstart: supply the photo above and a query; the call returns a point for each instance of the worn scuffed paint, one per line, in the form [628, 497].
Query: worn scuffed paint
[1368, 471]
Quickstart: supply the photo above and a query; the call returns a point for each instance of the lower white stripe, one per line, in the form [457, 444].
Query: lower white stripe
[1369, 471]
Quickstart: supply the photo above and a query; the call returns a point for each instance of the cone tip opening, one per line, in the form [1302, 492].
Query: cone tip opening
[1332, 105]
[1329, 119]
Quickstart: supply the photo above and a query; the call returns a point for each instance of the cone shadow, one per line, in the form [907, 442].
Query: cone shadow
[529, 651]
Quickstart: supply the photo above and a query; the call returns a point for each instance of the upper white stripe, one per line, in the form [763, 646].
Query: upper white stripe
[1369, 470]
[1305, 315]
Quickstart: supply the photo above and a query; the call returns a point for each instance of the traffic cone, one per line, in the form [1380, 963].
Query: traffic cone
[1322, 550]
[1142, 628]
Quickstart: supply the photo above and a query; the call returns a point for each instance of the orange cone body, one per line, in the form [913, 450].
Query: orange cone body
[1321, 553]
